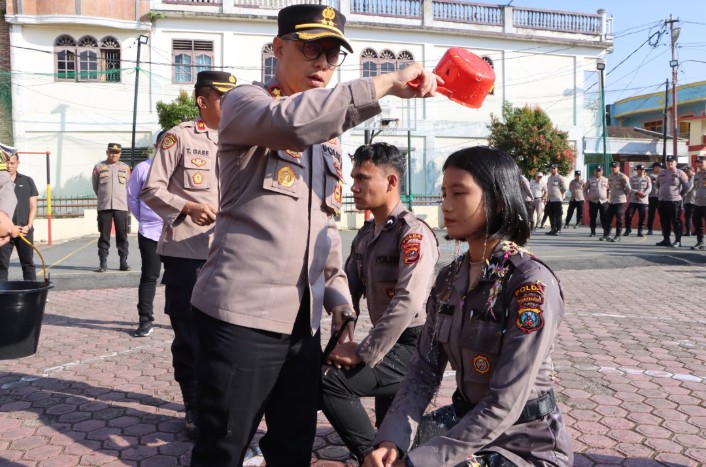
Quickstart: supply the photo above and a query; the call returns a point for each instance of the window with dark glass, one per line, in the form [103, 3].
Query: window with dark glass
[373, 63]
[191, 57]
[489, 61]
[269, 63]
[87, 59]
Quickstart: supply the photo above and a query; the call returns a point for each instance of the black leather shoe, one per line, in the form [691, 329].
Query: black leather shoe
[614, 239]
[649, 232]
[663, 243]
[593, 234]
[699, 246]
[676, 245]
[103, 267]
[124, 266]
[627, 232]
[604, 238]
[639, 234]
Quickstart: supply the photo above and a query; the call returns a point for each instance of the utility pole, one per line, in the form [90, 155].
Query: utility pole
[674, 63]
[141, 39]
[666, 120]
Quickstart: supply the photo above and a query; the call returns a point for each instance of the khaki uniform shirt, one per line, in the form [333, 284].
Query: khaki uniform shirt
[618, 188]
[393, 270]
[672, 185]
[502, 359]
[538, 189]
[280, 163]
[526, 189]
[110, 185]
[576, 189]
[556, 187]
[640, 184]
[8, 200]
[596, 189]
[700, 188]
[690, 195]
[184, 169]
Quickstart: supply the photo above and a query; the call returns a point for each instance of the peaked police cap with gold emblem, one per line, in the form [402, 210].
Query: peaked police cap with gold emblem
[221, 81]
[312, 22]
[114, 147]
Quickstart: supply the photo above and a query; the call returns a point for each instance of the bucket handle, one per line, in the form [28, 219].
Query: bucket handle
[44, 265]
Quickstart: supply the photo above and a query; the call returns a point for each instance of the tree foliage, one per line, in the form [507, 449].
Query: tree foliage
[182, 109]
[529, 136]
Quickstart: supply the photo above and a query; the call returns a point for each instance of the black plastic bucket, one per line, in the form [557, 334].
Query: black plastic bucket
[21, 313]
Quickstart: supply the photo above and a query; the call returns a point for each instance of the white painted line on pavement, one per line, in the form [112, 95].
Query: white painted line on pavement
[653, 373]
[607, 315]
[61, 260]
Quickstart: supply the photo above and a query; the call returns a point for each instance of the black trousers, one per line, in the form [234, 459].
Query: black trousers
[651, 210]
[106, 218]
[594, 209]
[529, 206]
[151, 267]
[179, 279]
[246, 373]
[617, 211]
[689, 217]
[641, 212]
[555, 211]
[670, 217]
[699, 220]
[342, 390]
[578, 206]
[25, 254]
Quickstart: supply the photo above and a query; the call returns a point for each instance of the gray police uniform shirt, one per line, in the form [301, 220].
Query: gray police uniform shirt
[640, 184]
[393, 270]
[576, 189]
[618, 188]
[672, 185]
[110, 185]
[690, 195]
[526, 189]
[502, 359]
[280, 163]
[538, 189]
[700, 188]
[556, 187]
[597, 189]
[184, 169]
[654, 192]
[8, 200]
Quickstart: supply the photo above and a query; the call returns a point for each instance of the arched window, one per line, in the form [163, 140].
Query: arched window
[87, 59]
[489, 61]
[191, 57]
[373, 63]
[369, 63]
[269, 63]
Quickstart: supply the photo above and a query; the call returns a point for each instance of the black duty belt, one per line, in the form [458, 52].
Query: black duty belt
[534, 408]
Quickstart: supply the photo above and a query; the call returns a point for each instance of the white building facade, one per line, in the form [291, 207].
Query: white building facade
[74, 70]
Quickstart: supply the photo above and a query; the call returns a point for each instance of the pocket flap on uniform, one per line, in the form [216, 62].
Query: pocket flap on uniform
[483, 336]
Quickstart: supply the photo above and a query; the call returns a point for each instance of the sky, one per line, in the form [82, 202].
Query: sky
[638, 64]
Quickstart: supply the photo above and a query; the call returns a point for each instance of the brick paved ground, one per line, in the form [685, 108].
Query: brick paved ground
[632, 378]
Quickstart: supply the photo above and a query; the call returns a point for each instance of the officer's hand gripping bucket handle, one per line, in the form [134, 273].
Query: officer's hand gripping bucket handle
[467, 78]
[21, 313]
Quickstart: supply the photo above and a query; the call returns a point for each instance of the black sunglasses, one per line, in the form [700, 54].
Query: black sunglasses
[313, 50]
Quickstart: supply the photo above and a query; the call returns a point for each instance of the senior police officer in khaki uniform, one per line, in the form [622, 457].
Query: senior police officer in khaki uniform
[182, 188]
[618, 191]
[556, 187]
[576, 187]
[539, 195]
[596, 191]
[391, 262]
[653, 198]
[672, 184]
[276, 259]
[641, 187]
[700, 202]
[110, 186]
[8, 200]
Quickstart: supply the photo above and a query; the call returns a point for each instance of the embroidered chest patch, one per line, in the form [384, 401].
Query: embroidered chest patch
[412, 247]
[168, 141]
[197, 178]
[530, 299]
[198, 162]
[481, 364]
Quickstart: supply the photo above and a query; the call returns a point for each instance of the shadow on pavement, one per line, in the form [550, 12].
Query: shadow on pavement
[100, 324]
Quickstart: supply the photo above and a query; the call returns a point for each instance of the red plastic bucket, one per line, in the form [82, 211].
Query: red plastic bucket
[467, 77]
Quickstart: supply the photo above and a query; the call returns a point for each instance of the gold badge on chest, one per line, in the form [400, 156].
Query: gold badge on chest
[286, 176]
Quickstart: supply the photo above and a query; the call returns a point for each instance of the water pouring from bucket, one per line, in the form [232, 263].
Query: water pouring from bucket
[467, 77]
[21, 313]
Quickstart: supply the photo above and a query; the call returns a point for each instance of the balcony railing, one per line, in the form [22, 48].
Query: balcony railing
[463, 12]
[556, 21]
[396, 8]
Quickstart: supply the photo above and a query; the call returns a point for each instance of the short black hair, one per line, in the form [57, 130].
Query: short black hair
[381, 154]
[499, 177]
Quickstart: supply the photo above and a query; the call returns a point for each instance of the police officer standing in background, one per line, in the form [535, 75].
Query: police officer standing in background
[689, 202]
[596, 191]
[641, 187]
[276, 258]
[539, 194]
[182, 188]
[556, 187]
[576, 187]
[700, 202]
[527, 195]
[26, 194]
[391, 262]
[110, 186]
[618, 192]
[672, 184]
[8, 200]
[653, 198]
